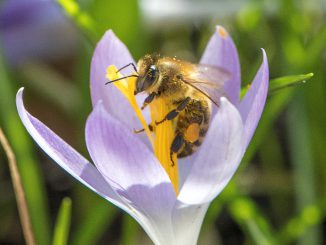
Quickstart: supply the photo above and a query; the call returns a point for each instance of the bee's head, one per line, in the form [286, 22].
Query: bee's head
[148, 73]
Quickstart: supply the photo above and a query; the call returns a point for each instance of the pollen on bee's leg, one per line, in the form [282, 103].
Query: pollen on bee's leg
[192, 133]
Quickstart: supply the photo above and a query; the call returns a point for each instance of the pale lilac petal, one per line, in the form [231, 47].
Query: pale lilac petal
[119, 154]
[252, 105]
[131, 169]
[111, 51]
[218, 157]
[79, 167]
[187, 221]
[221, 52]
[184, 166]
[65, 155]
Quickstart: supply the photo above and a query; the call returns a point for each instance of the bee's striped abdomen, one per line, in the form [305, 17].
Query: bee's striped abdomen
[192, 124]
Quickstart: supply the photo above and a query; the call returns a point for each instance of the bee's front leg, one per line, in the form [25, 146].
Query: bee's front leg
[148, 100]
[172, 114]
[150, 127]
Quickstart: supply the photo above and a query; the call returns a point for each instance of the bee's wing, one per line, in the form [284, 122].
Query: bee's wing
[208, 80]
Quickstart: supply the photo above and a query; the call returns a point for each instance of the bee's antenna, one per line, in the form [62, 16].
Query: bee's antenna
[118, 79]
[130, 64]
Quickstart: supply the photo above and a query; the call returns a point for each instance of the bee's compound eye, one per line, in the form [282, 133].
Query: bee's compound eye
[152, 74]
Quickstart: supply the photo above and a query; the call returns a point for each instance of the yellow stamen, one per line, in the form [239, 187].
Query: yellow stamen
[222, 32]
[164, 136]
[127, 88]
[163, 133]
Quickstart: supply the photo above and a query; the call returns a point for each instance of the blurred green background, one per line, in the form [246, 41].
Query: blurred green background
[278, 194]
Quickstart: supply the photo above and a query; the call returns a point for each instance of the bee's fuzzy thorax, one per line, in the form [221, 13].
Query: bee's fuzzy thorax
[192, 121]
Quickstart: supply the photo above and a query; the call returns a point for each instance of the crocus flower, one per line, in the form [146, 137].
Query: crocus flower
[35, 30]
[128, 174]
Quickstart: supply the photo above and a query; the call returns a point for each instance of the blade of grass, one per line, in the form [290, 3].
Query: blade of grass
[247, 215]
[301, 159]
[288, 81]
[298, 56]
[274, 168]
[108, 15]
[19, 191]
[91, 228]
[82, 19]
[279, 83]
[62, 226]
[27, 163]
[130, 229]
[309, 216]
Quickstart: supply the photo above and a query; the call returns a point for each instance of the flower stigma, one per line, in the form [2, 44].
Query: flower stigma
[163, 134]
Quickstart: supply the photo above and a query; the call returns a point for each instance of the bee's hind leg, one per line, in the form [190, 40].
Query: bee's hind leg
[177, 144]
[172, 114]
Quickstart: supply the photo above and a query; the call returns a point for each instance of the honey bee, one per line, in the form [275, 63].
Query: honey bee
[190, 89]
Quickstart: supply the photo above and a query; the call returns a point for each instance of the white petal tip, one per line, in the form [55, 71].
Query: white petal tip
[19, 98]
[223, 99]
[20, 92]
[109, 33]
[264, 55]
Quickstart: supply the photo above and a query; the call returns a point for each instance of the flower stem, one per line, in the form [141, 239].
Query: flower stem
[19, 191]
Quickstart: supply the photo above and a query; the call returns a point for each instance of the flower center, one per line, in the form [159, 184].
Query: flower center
[162, 136]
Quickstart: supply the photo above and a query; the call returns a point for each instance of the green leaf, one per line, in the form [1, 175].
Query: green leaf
[282, 82]
[288, 81]
[61, 231]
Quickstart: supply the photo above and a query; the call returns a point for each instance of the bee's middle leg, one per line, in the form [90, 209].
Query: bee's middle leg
[172, 114]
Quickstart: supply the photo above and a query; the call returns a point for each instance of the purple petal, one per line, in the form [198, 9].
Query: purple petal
[65, 155]
[35, 29]
[87, 174]
[252, 105]
[184, 166]
[187, 221]
[221, 52]
[218, 157]
[131, 169]
[111, 51]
